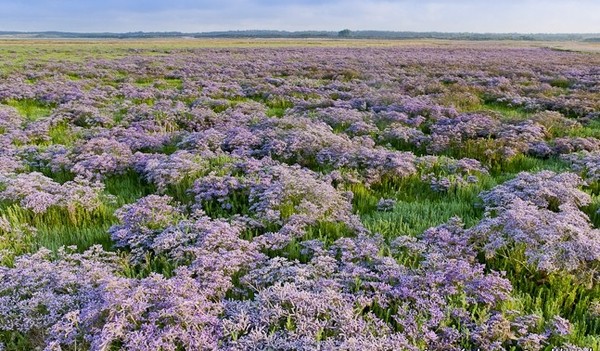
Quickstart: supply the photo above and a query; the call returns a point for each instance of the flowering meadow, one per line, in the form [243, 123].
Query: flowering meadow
[414, 197]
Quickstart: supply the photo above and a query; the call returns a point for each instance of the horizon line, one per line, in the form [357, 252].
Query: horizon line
[6, 31]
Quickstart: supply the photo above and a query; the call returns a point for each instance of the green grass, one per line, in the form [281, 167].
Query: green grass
[74, 76]
[412, 218]
[508, 112]
[57, 227]
[551, 295]
[276, 111]
[171, 83]
[563, 83]
[505, 112]
[127, 188]
[159, 83]
[31, 109]
[590, 129]
[62, 134]
[144, 82]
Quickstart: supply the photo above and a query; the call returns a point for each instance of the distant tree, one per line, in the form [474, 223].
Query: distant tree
[344, 33]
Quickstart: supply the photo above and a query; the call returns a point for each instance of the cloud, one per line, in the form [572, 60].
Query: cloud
[399, 15]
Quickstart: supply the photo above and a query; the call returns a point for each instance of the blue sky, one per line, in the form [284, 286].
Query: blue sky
[526, 16]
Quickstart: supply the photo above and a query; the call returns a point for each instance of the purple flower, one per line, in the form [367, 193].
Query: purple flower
[386, 204]
[100, 157]
[38, 193]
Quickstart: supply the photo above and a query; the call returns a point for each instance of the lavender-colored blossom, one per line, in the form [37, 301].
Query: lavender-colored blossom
[586, 164]
[452, 131]
[576, 144]
[539, 212]
[545, 189]
[163, 171]
[100, 157]
[386, 204]
[277, 194]
[38, 193]
[142, 221]
[44, 288]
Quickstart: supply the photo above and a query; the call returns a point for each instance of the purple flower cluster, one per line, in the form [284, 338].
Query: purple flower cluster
[386, 204]
[169, 170]
[448, 132]
[540, 213]
[41, 292]
[288, 197]
[38, 193]
[99, 157]
[586, 164]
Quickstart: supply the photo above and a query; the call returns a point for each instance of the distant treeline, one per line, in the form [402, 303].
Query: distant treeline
[362, 34]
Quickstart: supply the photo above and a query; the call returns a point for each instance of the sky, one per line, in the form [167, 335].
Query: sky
[508, 16]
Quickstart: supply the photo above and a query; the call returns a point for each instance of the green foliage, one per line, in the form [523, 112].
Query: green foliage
[589, 129]
[560, 83]
[62, 134]
[30, 108]
[275, 111]
[345, 33]
[553, 294]
[57, 228]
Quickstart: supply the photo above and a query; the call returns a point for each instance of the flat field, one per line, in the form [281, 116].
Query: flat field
[299, 195]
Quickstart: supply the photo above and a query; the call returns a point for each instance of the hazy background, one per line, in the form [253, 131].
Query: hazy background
[525, 16]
